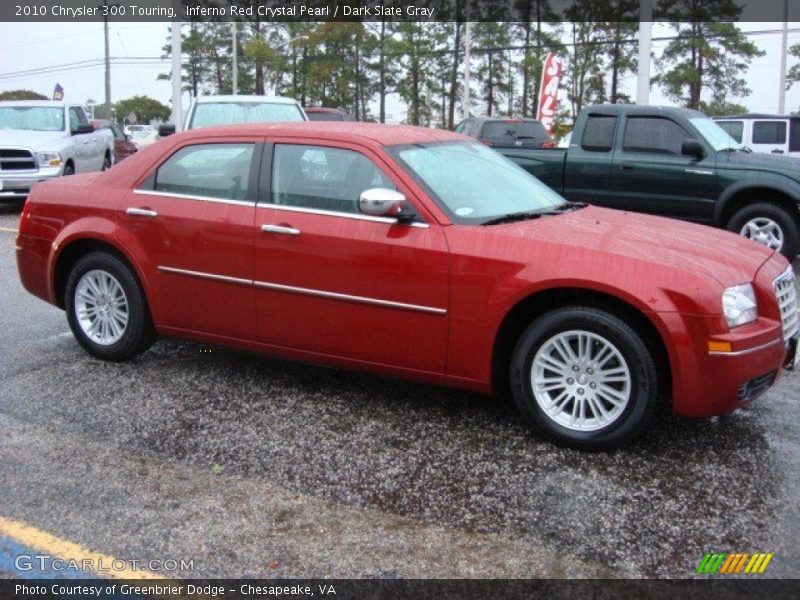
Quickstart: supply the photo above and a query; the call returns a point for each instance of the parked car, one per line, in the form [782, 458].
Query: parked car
[123, 146]
[41, 140]
[771, 134]
[327, 113]
[142, 138]
[417, 253]
[674, 162]
[232, 110]
[507, 133]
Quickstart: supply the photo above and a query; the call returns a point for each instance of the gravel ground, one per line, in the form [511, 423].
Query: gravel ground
[259, 467]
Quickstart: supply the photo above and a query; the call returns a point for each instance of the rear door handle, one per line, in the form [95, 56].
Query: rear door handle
[626, 167]
[141, 212]
[280, 229]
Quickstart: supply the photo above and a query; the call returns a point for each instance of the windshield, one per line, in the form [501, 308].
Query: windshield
[230, 113]
[472, 183]
[33, 118]
[714, 134]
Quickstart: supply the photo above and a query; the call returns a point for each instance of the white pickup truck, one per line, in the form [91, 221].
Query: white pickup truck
[40, 140]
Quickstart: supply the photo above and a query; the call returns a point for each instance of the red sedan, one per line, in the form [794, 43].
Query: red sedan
[417, 253]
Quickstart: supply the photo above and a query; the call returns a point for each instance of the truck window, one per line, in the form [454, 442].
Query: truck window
[598, 133]
[769, 132]
[653, 135]
[735, 129]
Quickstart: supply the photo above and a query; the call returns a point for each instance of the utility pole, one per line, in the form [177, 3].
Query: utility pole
[107, 107]
[177, 83]
[235, 59]
[467, 44]
[645, 44]
[784, 51]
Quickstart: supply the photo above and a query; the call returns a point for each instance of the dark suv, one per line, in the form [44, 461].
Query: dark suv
[507, 133]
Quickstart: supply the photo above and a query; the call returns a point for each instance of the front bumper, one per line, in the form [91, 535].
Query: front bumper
[18, 184]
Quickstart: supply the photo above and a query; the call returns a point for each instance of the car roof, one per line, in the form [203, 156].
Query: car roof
[641, 109]
[245, 98]
[354, 131]
[758, 116]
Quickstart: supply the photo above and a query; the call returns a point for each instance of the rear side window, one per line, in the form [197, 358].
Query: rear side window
[208, 170]
[769, 132]
[653, 135]
[511, 131]
[323, 178]
[735, 129]
[598, 134]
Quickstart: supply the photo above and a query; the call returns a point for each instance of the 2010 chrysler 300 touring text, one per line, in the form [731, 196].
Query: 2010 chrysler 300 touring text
[412, 252]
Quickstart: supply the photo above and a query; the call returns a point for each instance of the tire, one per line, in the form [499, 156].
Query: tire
[69, 170]
[626, 360]
[106, 163]
[774, 218]
[96, 279]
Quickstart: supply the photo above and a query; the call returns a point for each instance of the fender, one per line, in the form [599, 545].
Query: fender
[790, 189]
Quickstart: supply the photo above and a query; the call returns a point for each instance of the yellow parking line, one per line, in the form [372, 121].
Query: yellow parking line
[68, 551]
[9, 230]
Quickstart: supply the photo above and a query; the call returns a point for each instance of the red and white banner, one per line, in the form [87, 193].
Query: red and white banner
[548, 90]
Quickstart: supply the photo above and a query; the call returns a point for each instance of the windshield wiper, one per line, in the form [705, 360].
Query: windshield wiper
[530, 215]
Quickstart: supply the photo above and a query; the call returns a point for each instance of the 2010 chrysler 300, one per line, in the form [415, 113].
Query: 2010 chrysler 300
[417, 253]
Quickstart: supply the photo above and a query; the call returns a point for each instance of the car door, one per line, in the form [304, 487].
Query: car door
[82, 143]
[771, 136]
[649, 173]
[333, 281]
[193, 220]
[588, 161]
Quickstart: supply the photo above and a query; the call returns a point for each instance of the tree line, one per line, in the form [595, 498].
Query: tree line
[356, 65]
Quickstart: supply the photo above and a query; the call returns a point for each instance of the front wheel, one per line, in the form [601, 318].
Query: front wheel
[767, 224]
[106, 308]
[583, 377]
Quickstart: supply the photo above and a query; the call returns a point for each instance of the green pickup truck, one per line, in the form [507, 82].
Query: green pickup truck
[674, 162]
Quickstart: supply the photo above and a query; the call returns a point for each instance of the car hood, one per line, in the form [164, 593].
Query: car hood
[763, 162]
[726, 257]
[36, 140]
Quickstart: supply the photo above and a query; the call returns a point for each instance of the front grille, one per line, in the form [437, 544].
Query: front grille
[786, 294]
[750, 390]
[13, 159]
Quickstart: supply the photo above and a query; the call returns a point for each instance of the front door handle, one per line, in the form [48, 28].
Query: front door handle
[626, 167]
[280, 229]
[141, 212]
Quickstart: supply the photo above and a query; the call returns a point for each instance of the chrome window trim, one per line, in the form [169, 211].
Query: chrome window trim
[305, 291]
[748, 350]
[336, 213]
[193, 197]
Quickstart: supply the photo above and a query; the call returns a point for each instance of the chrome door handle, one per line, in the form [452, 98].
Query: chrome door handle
[280, 229]
[142, 212]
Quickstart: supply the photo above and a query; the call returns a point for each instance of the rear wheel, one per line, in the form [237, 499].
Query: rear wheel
[583, 377]
[106, 308]
[767, 224]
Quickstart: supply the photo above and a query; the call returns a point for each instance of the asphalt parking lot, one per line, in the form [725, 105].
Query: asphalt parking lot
[256, 467]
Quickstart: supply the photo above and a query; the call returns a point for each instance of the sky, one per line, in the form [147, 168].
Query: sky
[25, 46]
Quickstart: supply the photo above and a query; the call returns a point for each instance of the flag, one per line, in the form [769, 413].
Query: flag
[58, 92]
[548, 90]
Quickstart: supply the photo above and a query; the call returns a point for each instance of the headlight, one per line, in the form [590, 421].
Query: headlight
[49, 159]
[739, 305]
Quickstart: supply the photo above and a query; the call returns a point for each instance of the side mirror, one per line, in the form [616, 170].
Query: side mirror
[166, 129]
[83, 128]
[691, 147]
[382, 202]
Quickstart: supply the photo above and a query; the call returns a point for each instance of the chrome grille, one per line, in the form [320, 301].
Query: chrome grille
[16, 159]
[786, 293]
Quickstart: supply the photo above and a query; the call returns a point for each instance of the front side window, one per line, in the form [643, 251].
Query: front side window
[769, 132]
[735, 129]
[653, 135]
[208, 170]
[598, 133]
[323, 178]
[473, 183]
[232, 113]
